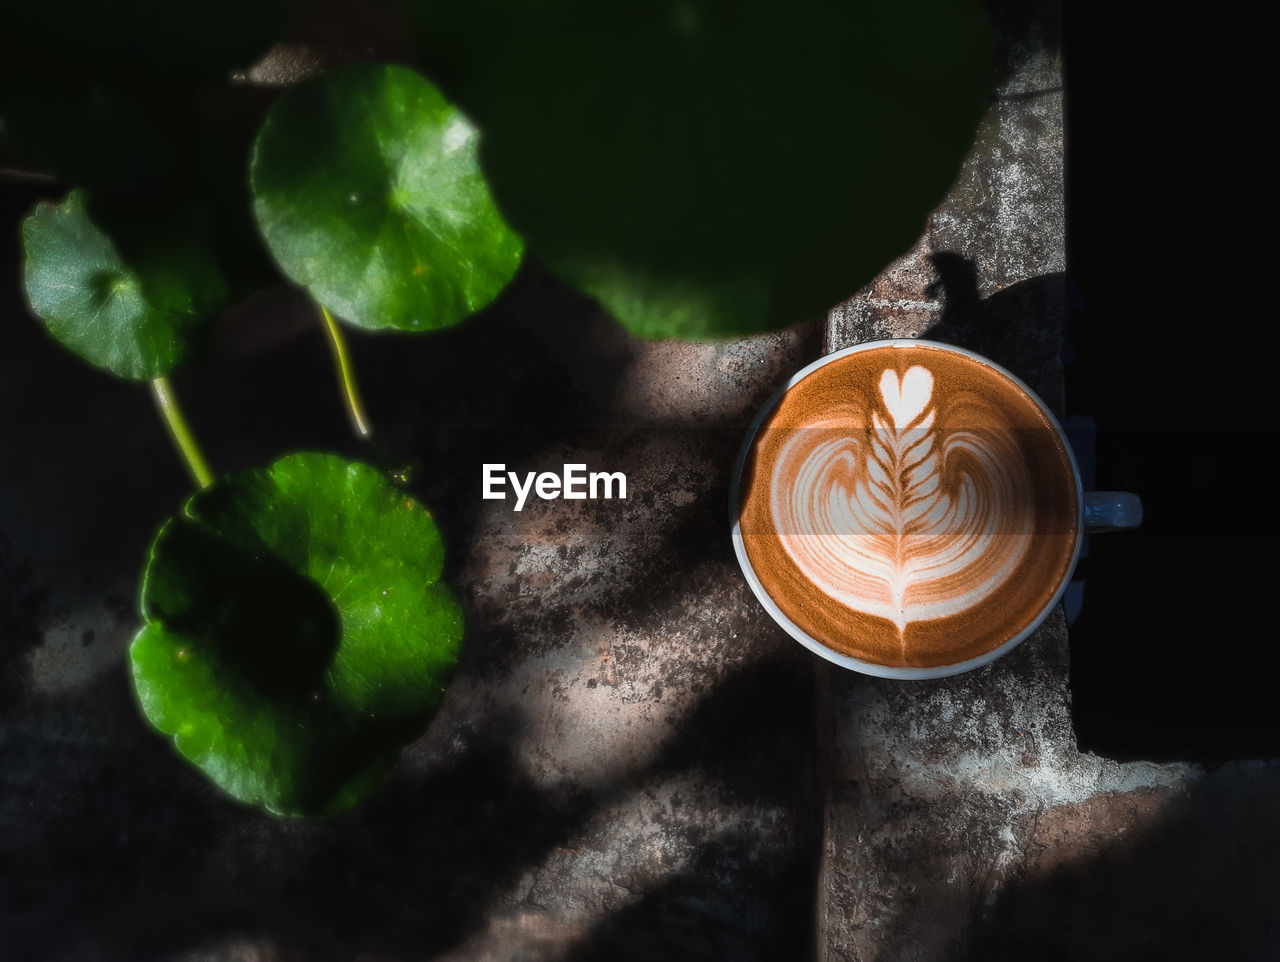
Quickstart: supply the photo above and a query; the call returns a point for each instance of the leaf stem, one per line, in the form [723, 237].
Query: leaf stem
[342, 361]
[180, 433]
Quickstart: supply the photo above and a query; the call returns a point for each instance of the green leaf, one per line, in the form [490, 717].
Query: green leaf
[297, 632]
[367, 190]
[127, 302]
[707, 169]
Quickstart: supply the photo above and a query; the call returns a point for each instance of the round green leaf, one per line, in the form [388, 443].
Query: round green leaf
[367, 190]
[297, 633]
[707, 169]
[126, 304]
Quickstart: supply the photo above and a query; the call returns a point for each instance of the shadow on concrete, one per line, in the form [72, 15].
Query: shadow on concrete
[130, 854]
[22, 604]
[684, 920]
[112, 847]
[1005, 326]
[147, 860]
[728, 903]
[1191, 881]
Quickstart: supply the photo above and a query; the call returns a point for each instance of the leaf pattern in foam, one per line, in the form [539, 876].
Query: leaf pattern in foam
[900, 519]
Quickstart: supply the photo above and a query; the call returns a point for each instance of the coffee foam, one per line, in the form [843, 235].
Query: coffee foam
[909, 506]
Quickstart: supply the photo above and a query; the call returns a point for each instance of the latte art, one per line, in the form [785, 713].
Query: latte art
[891, 519]
[908, 506]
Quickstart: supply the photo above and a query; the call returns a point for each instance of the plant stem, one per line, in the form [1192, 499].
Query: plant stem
[342, 361]
[180, 433]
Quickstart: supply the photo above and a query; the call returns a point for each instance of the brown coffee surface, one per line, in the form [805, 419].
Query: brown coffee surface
[909, 506]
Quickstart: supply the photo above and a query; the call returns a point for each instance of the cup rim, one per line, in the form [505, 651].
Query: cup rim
[858, 664]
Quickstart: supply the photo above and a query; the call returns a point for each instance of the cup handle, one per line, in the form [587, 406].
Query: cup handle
[1111, 511]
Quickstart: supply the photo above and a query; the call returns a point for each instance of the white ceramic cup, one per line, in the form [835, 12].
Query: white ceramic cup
[1096, 511]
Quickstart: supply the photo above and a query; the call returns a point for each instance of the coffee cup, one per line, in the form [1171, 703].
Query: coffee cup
[911, 509]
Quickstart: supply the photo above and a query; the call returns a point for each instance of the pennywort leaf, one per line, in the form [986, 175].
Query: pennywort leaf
[708, 170]
[297, 632]
[128, 306]
[367, 190]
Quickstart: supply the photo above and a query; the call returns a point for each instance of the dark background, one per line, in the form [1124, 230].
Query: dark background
[1168, 331]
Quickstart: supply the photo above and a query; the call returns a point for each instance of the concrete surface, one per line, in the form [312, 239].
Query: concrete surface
[624, 766]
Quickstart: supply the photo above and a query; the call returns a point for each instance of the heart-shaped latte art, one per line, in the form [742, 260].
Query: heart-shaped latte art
[905, 399]
[897, 516]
